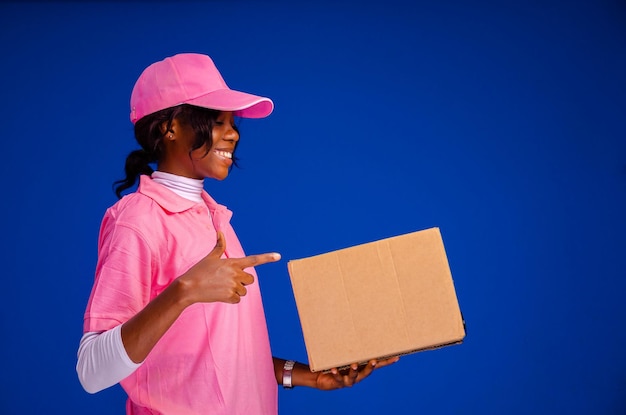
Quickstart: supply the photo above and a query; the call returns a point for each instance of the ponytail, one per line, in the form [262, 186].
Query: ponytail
[137, 163]
[149, 135]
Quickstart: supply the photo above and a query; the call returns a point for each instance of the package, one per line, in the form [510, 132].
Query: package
[381, 299]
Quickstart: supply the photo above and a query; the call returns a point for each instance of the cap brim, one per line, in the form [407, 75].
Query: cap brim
[241, 103]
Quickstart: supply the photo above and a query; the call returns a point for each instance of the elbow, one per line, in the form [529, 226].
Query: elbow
[90, 390]
[102, 361]
[88, 384]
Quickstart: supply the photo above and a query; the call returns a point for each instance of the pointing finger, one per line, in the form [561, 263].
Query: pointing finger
[260, 259]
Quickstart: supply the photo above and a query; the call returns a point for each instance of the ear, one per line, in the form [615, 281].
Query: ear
[170, 135]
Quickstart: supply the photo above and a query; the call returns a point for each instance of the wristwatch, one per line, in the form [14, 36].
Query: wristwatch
[287, 370]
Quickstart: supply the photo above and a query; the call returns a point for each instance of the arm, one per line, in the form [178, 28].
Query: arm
[212, 279]
[105, 358]
[335, 379]
[141, 333]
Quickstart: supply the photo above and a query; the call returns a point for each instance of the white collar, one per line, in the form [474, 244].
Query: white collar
[186, 187]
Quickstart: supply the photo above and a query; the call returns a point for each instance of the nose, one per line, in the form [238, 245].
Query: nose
[231, 134]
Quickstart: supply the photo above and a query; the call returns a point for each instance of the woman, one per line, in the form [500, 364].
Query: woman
[175, 313]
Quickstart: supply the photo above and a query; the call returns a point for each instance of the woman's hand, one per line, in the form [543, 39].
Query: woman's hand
[337, 379]
[217, 279]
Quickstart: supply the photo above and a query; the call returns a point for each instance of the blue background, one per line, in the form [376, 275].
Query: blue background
[502, 123]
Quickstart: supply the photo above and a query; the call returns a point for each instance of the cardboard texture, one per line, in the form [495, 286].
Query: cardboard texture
[380, 299]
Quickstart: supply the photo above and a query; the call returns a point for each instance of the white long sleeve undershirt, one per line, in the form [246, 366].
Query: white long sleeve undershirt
[102, 358]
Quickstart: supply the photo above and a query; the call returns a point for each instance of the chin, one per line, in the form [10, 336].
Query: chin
[220, 177]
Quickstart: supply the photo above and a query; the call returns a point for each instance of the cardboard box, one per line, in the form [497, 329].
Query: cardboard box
[386, 298]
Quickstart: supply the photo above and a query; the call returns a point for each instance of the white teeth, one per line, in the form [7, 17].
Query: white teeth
[225, 154]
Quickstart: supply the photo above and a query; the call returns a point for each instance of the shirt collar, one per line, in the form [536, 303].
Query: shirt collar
[173, 203]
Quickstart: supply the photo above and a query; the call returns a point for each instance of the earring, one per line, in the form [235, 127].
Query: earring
[171, 136]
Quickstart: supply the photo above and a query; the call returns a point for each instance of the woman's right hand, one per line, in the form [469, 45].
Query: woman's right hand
[217, 279]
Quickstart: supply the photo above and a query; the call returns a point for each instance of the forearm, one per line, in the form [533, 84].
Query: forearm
[300, 376]
[142, 332]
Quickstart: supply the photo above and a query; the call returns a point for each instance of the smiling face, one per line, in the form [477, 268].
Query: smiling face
[203, 162]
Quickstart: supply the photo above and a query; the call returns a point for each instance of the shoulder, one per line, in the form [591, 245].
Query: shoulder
[133, 208]
[134, 213]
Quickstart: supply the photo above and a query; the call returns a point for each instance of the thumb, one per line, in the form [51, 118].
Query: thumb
[220, 246]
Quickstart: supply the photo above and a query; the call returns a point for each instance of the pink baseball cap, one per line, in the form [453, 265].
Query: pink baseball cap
[191, 78]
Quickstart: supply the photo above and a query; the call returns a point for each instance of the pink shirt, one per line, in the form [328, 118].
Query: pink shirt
[216, 358]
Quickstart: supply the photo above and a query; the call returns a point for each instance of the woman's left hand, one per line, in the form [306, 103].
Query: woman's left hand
[337, 379]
